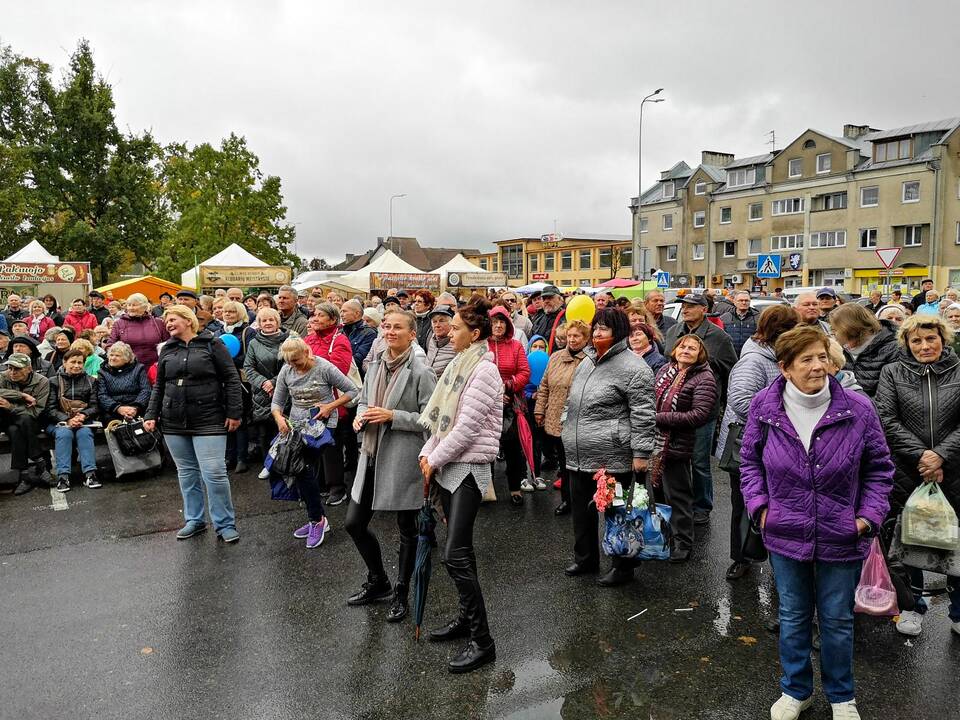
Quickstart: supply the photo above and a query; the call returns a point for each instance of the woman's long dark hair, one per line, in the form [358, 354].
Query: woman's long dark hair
[475, 315]
[615, 319]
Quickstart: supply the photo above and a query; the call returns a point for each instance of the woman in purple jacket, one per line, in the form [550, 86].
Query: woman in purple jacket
[815, 473]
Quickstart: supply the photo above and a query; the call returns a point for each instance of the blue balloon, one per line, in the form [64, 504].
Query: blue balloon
[233, 345]
[538, 360]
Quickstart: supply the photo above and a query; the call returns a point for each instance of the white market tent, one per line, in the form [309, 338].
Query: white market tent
[231, 256]
[388, 262]
[458, 264]
[312, 278]
[33, 253]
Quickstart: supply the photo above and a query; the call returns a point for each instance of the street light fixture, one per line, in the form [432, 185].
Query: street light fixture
[639, 260]
[392, 198]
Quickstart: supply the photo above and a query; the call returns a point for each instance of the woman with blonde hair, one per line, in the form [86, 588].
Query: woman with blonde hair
[868, 344]
[39, 321]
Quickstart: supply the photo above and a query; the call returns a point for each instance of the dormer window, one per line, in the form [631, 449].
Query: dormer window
[669, 190]
[741, 177]
[809, 145]
[893, 150]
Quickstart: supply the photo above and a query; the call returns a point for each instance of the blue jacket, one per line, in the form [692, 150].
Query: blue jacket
[127, 385]
[740, 329]
[361, 339]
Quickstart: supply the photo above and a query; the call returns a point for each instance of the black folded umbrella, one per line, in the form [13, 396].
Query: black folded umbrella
[427, 523]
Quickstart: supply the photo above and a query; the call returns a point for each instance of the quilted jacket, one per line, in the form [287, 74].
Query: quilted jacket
[919, 406]
[262, 363]
[510, 357]
[720, 350]
[740, 329]
[475, 437]
[610, 416]
[554, 389]
[755, 370]
[695, 403]
[813, 498]
[882, 350]
[125, 385]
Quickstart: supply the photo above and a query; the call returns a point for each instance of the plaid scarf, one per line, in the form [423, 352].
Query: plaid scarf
[666, 390]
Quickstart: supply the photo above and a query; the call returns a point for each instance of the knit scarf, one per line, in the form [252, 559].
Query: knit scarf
[35, 325]
[441, 409]
[383, 385]
[666, 392]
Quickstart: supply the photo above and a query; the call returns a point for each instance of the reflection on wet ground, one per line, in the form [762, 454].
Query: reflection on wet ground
[102, 604]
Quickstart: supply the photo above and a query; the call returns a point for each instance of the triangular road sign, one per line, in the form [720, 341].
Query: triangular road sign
[888, 256]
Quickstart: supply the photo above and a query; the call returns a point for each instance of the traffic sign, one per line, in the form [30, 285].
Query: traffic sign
[663, 279]
[888, 256]
[768, 266]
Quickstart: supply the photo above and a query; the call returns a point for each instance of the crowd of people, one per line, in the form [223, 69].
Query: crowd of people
[405, 389]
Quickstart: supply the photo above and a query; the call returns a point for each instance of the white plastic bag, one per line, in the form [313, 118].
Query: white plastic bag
[929, 520]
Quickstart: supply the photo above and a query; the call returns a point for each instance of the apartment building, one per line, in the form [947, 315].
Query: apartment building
[825, 204]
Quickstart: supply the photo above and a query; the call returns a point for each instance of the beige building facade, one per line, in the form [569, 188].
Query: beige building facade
[824, 204]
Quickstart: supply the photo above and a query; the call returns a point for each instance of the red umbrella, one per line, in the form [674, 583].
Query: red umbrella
[619, 283]
[523, 431]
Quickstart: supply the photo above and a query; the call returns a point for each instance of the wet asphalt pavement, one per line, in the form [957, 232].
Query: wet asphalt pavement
[106, 615]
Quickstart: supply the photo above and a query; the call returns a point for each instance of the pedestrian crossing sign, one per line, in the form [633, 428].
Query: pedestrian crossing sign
[768, 266]
[663, 279]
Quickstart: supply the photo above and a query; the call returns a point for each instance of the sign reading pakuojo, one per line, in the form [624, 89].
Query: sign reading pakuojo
[405, 281]
[227, 276]
[20, 273]
[476, 279]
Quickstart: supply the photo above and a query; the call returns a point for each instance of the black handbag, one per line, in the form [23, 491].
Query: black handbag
[730, 458]
[131, 438]
[753, 549]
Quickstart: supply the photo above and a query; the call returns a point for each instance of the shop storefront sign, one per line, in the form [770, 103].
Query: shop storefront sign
[20, 273]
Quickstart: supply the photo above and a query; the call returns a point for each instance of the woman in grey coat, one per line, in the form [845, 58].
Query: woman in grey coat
[261, 366]
[397, 387]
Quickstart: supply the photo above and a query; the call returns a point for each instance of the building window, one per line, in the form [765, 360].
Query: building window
[566, 260]
[869, 196]
[795, 167]
[893, 150]
[754, 246]
[668, 221]
[483, 263]
[534, 262]
[809, 145]
[823, 163]
[699, 248]
[828, 239]
[789, 206]
[512, 258]
[756, 211]
[700, 188]
[626, 258]
[730, 248]
[726, 215]
[605, 258]
[786, 242]
[586, 259]
[671, 253]
[699, 218]
[644, 224]
[868, 238]
[831, 278]
[911, 191]
[913, 236]
[496, 265]
[957, 240]
[669, 190]
[549, 262]
[833, 201]
[741, 177]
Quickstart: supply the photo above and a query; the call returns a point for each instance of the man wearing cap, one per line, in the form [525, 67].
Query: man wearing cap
[921, 297]
[550, 315]
[166, 299]
[722, 357]
[97, 308]
[188, 298]
[827, 300]
[777, 293]
[23, 398]
[360, 336]
[404, 299]
[439, 348]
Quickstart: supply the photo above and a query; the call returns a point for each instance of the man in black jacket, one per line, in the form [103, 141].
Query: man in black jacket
[360, 336]
[97, 308]
[876, 302]
[921, 297]
[654, 302]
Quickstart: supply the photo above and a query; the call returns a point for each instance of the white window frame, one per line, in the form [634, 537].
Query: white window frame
[672, 250]
[957, 241]
[869, 205]
[701, 216]
[673, 190]
[740, 177]
[569, 256]
[644, 224]
[786, 242]
[828, 239]
[700, 188]
[589, 255]
[846, 200]
[796, 203]
[533, 262]
[790, 172]
[734, 254]
[483, 263]
[916, 235]
[868, 246]
[820, 170]
[663, 222]
[750, 217]
[750, 242]
[903, 191]
[729, 209]
[550, 262]
[699, 249]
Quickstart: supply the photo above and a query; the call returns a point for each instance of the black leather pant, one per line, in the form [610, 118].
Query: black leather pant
[461, 508]
[737, 511]
[357, 525]
[555, 445]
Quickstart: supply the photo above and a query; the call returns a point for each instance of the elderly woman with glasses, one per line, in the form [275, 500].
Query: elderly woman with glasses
[520, 321]
[139, 329]
[123, 390]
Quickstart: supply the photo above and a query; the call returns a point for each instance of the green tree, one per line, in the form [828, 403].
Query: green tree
[218, 196]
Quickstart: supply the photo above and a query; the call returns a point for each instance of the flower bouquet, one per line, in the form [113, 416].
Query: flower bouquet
[623, 516]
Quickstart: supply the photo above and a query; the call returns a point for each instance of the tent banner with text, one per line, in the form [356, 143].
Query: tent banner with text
[24, 273]
[265, 276]
[405, 281]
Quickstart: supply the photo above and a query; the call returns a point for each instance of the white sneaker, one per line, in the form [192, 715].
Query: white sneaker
[264, 474]
[789, 708]
[845, 710]
[910, 623]
[540, 483]
[526, 486]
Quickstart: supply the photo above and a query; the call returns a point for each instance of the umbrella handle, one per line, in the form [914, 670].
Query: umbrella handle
[426, 488]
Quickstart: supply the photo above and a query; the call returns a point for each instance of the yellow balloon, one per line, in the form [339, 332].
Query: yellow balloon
[581, 308]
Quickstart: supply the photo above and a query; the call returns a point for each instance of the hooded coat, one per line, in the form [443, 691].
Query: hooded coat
[143, 334]
[756, 369]
[880, 351]
[509, 356]
[262, 363]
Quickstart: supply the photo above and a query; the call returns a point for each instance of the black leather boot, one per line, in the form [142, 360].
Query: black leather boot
[472, 657]
[453, 630]
[398, 608]
[374, 589]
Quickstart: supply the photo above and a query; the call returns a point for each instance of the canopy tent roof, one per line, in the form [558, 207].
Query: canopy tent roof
[231, 256]
[388, 262]
[33, 252]
[618, 283]
[148, 285]
[307, 280]
[458, 264]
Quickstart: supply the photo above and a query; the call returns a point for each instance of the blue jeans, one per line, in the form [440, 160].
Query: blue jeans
[828, 589]
[64, 438]
[200, 458]
[702, 477]
[953, 592]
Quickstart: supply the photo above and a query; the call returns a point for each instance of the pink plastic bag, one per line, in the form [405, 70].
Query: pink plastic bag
[875, 593]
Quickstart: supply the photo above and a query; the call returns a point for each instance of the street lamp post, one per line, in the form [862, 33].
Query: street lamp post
[640, 260]
[392, 198]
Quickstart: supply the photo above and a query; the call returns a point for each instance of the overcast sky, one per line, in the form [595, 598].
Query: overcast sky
[495, 118]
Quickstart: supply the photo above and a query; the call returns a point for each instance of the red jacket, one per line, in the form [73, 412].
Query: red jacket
[45, 324]
[87, 321]
[332, 345]
[510, 357]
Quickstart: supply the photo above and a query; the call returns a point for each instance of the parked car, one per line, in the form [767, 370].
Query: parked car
[673, 309]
